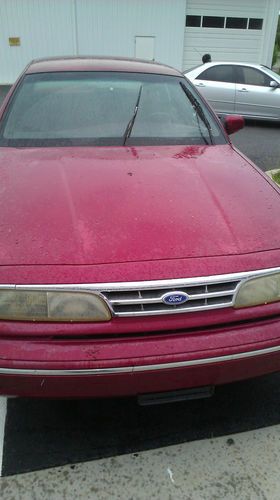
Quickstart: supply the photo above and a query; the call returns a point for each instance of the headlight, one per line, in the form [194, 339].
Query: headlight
[258, 291]
[52, 306]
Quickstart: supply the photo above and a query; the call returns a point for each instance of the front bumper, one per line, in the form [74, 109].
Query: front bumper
[131, 366]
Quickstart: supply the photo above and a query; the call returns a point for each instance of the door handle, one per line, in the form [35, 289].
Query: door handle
[243, 90]
[200, 85]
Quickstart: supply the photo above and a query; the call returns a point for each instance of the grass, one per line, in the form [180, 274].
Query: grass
[274, 175]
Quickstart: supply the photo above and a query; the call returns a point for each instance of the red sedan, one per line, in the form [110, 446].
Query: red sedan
[139, 250]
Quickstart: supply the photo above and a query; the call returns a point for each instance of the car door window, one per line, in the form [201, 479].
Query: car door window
[252, 76]
[221, 73]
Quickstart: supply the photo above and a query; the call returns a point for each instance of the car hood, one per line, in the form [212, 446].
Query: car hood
[111, 205]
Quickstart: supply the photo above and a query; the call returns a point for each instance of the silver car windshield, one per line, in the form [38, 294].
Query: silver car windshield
[271, 73]
[94, 108]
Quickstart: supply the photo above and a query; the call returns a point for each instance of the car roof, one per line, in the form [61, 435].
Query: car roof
[95, 63]
[215, 63]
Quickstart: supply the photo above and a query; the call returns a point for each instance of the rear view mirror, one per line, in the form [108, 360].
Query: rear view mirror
[274, 84]
[233, 123]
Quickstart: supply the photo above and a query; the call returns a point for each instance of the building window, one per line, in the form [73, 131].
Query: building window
[213, 22]
[193, 21]
[238, 23]
[255, 24]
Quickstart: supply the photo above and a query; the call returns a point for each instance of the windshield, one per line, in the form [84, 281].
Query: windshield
[274, 75]
[94, 108]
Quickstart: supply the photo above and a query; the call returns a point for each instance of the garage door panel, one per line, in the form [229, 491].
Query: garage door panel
[240, 45]
[215, 8]
[218, 39]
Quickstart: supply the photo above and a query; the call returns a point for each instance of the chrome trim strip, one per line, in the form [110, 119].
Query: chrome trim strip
[141, 368]
[208, 307]
[141, 285]
[199, 296]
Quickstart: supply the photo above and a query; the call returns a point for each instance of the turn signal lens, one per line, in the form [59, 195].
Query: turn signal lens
[257, 291]
[41, 305]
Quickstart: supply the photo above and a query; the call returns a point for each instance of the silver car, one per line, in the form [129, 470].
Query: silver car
[250, 90]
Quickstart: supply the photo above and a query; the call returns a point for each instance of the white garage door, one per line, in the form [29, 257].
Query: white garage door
[229, 31]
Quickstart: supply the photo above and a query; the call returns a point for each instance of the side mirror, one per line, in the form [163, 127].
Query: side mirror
[233, 123]
[273, 84]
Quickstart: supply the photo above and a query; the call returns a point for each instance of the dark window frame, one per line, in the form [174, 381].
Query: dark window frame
[241, 20]
[213, 17]
[188, 17]
[217, 66]
[252, 23]
[253, 20]
[241, 79]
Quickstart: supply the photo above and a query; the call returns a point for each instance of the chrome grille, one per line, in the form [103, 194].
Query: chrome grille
[148, 301]
[143, 298]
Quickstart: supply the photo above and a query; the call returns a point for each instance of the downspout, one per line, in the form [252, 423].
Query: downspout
[75, 27]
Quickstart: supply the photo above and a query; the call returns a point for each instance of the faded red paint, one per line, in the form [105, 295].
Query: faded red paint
[91, 215]
[99, 64]
[83, 206]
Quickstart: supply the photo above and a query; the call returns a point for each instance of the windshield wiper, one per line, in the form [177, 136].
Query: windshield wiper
[130, 124]
[199, 111]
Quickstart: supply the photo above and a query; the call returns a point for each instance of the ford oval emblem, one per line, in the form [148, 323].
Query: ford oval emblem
[174, 298]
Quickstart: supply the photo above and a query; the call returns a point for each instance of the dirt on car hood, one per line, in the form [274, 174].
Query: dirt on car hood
[82, 206]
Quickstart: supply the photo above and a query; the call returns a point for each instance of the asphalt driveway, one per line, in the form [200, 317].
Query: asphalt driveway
[260, 141]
